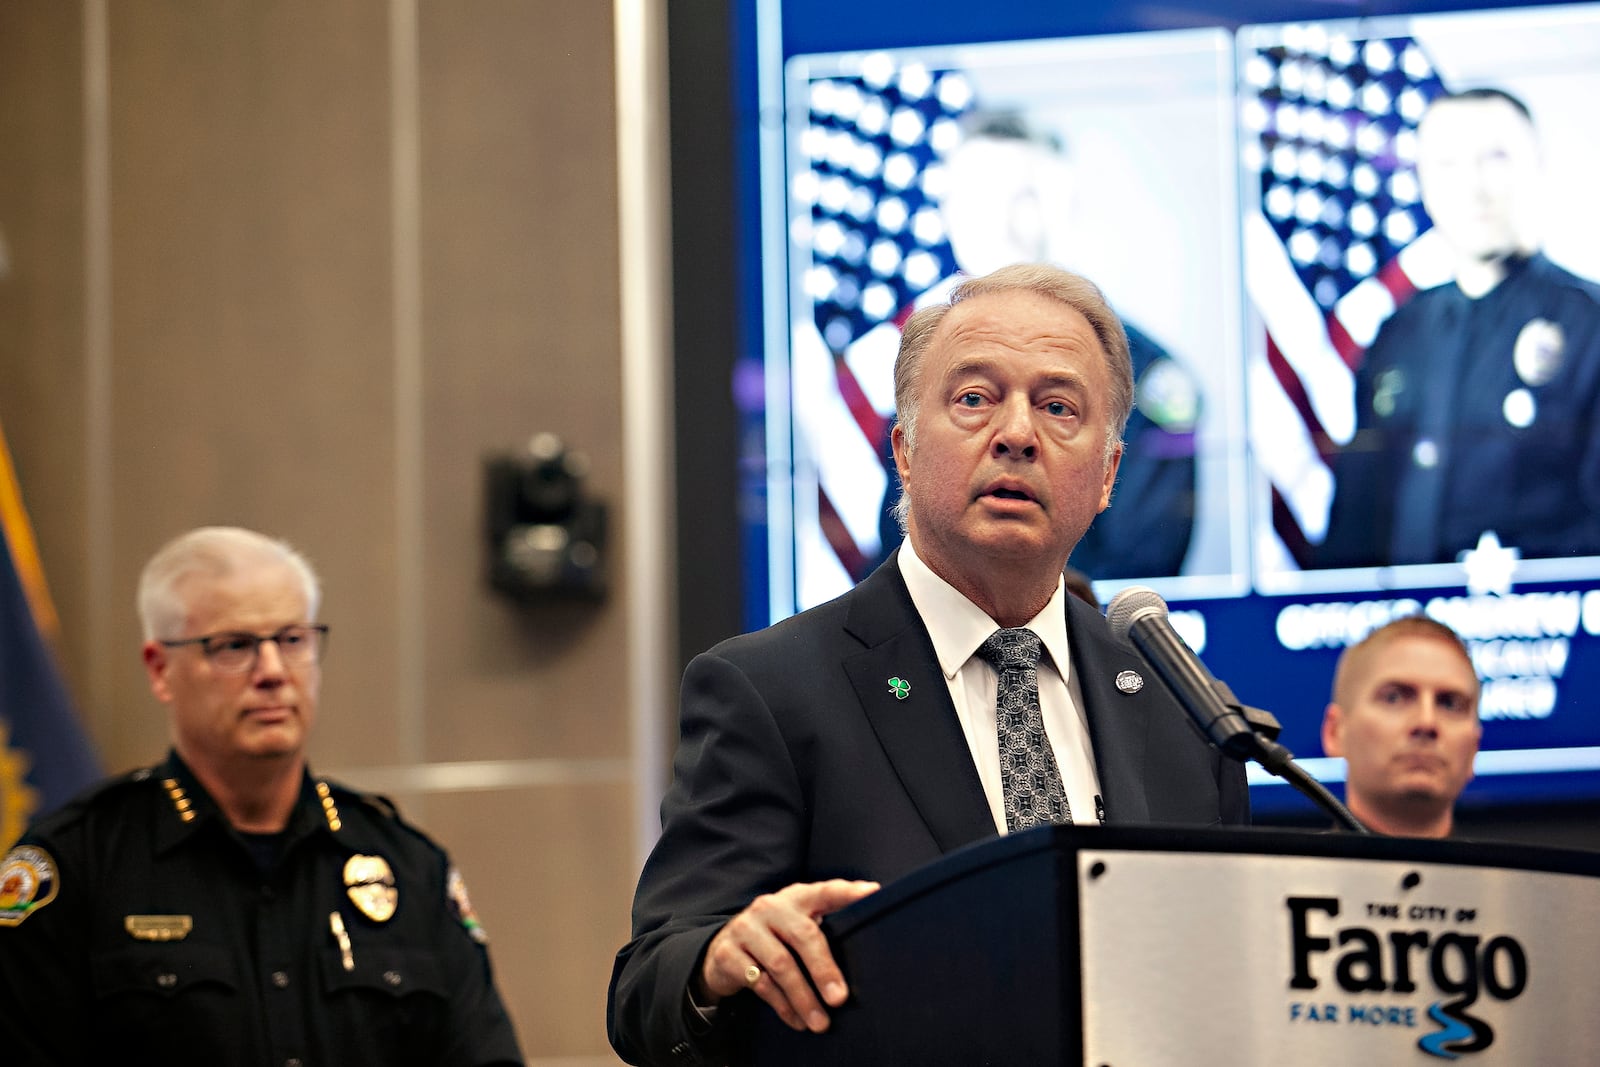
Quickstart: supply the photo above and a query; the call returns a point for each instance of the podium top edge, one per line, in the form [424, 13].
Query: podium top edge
[1065, 842]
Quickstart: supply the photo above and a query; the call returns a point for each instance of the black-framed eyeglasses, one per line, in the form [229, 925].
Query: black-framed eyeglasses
[234, 651]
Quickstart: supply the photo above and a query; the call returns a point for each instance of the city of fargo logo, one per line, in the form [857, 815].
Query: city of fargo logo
[1419, 949]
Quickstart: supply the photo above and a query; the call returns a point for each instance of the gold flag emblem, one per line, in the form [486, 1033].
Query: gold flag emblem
[370, 885]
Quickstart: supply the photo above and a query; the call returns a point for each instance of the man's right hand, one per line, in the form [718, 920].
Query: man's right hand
[779, 936]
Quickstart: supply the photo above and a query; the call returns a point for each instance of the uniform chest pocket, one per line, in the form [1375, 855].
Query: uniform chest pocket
[393, 972]
[391, 1004]
[144, 994]
[165, 971]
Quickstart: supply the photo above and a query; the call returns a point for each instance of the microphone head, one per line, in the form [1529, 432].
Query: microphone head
[1132, 604]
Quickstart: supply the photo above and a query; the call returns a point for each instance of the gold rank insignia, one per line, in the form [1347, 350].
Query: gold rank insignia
[27, 883]
[370, 885]
[158, 927]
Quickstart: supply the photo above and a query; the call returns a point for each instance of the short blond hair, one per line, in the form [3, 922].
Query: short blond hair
[1356, 658]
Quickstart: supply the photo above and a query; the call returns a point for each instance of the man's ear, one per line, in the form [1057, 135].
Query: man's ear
[1112, 463]
[156, 662]
[1333, 731]
[902, 454]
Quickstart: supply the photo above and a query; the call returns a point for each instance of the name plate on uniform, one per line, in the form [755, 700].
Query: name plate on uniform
[159, 927]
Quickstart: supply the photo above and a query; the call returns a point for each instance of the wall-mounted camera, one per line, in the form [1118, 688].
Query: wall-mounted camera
[546, 539]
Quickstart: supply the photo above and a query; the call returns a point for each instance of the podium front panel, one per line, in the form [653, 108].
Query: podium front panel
[1212, 958]
[969, 964]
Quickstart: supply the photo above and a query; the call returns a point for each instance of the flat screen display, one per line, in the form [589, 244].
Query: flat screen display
[1329, 431]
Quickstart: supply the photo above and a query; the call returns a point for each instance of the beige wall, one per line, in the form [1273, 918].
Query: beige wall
[299, 266]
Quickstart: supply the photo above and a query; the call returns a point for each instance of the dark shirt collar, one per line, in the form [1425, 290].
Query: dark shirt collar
[189, 809]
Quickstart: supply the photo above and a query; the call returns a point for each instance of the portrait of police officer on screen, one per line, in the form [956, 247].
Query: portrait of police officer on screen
[1008, 198]
[1478, 404]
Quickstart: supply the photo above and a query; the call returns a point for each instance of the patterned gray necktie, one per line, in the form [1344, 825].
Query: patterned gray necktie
[1029, 779]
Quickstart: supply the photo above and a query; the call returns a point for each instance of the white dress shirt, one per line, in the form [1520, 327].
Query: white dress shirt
[958, 628]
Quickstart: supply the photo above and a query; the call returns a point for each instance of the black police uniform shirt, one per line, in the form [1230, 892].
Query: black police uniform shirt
[1474, 416]
[137, 927]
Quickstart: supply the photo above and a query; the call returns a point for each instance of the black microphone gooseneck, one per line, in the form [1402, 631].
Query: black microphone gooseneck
[1139, 615]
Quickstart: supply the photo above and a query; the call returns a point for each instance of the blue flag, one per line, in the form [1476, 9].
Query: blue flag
[44, 756]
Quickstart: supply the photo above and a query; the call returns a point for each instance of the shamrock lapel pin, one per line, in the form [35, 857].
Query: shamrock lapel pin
[900, 688]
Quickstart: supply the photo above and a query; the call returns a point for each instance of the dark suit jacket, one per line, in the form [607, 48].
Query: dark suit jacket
[796, 763]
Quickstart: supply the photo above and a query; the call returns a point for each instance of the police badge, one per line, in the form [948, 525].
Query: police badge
[1539, 351]
[370, 885]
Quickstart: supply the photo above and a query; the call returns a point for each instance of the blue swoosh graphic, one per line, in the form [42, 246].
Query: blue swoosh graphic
[1458, 1029]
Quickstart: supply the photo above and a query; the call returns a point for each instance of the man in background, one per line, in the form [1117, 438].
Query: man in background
[1405, 718]
[957, 692]
[1478, 404]
[224, 907]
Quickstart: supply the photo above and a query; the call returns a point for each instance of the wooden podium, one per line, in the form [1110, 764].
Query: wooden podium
[1134, 947]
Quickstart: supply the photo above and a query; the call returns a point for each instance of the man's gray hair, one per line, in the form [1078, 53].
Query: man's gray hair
[1073, 290]
[211, 552]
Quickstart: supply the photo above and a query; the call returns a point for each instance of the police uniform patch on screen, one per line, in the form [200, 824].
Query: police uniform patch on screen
[1538, 352]
[28, 882]
[455, 892]
[1386, 393]
[1168, 396]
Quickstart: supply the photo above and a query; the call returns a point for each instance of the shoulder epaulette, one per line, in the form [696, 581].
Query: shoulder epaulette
[382, 804]
[75, 808]
[133, 779]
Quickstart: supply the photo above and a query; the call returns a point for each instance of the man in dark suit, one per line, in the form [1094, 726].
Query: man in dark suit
[859, 740]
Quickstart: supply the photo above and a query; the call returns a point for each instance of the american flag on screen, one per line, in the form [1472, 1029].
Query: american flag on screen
[1337, 242]
[864, 198]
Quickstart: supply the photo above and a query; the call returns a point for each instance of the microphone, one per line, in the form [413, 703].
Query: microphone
[1139, 615]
